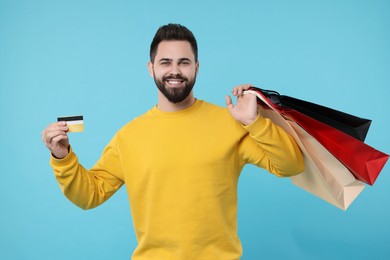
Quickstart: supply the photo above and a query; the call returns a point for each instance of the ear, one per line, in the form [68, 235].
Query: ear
[150, 68]
[197, 68]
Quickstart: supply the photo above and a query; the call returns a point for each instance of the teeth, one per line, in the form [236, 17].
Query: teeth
[174, 81]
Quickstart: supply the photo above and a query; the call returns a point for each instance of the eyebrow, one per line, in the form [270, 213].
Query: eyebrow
[180, 60]
[184, 59]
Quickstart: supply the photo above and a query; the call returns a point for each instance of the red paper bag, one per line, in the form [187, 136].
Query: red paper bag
[362, 160]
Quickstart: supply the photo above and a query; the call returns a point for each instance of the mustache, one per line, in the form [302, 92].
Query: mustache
[175, 77]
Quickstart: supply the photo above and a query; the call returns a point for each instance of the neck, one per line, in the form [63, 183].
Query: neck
[165, 105]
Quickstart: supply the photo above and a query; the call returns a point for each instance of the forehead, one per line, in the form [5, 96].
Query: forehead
[174, 50]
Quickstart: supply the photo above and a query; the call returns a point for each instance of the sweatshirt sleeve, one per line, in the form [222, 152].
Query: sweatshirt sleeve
[268, 146]
[89, 188]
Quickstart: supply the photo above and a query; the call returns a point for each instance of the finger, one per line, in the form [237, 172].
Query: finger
[53, 128]
[56, 127]
[229, 103]
[228, 100]
[238, 90]
[58, 139]
[246, 86]
[50, 136]
[43, 135]
[234, 91]
[60, 123]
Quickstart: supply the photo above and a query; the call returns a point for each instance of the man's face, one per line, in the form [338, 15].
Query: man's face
[174, 70]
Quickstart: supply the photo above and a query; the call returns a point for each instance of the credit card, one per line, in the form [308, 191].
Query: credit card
[75, 123]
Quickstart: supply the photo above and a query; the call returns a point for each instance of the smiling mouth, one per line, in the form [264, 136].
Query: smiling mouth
[174, 82]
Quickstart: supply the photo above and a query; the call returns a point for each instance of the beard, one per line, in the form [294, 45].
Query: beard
[175, 94]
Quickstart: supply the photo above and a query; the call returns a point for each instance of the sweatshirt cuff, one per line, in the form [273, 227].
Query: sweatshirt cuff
[67, 160]
[259, 125]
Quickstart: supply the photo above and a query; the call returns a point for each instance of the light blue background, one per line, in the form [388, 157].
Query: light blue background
[89, 57]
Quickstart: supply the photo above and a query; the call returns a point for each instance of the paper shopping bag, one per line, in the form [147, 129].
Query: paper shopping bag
[352, 125]
[324, 175]
[362, 160]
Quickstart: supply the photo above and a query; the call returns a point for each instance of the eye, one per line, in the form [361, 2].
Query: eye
[164, 63]
[185, 62]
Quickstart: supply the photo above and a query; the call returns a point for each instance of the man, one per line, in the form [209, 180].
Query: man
[180, 161]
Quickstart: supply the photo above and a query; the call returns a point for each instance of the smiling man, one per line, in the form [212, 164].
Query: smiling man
[174, 66]
[176, 75]
[180, 161]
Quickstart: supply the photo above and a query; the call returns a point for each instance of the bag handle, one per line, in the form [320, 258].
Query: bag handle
[268, 97]
[271, 95]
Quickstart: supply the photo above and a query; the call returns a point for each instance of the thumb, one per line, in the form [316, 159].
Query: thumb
[229, 103]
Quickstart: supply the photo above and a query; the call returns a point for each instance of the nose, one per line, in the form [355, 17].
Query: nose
[175, 70]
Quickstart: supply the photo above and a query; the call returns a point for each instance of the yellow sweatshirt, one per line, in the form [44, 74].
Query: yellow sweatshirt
[181, 171]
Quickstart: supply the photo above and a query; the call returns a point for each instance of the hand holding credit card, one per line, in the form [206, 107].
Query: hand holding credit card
[75, 123]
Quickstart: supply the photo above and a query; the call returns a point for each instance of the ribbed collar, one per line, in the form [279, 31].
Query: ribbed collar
[184, 112]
